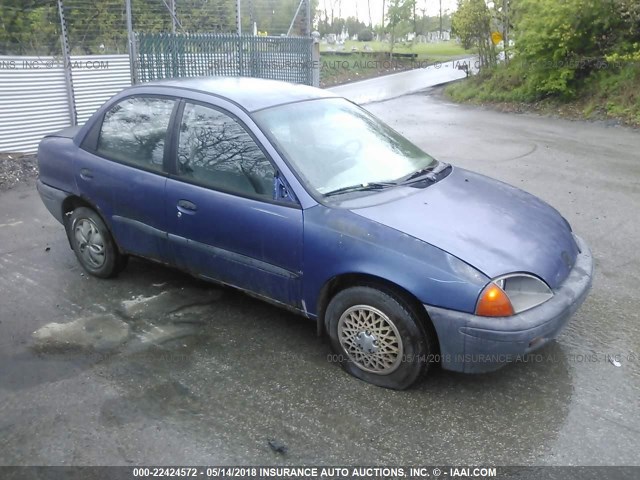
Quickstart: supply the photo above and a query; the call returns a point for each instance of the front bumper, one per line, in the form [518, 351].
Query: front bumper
[473, 344]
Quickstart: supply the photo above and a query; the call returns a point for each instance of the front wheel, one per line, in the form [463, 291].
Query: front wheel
[377, 337]
[93, 244]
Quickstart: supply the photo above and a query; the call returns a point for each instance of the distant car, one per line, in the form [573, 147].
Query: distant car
[308, 201]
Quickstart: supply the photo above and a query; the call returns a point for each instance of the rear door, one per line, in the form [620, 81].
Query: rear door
[121, 170]
[226, 220]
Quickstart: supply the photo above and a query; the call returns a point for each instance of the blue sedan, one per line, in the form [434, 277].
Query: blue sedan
[306, 200]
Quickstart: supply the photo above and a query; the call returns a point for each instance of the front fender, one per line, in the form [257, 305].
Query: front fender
[338, 242]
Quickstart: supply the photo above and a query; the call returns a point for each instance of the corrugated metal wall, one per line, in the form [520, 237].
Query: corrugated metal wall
[97, 78]
[34, 99]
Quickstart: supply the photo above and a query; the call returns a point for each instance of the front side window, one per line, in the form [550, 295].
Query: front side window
[216, 151]
[334, 144]
[134, 131]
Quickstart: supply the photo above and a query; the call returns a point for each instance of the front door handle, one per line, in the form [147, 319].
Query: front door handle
[185, 206]
[86, 174]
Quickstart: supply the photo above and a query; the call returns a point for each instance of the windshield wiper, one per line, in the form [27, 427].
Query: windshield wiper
[362, 187]
[429, 173]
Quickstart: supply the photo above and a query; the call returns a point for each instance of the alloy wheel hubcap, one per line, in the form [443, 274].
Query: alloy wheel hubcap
[90, 242]
[370, 339]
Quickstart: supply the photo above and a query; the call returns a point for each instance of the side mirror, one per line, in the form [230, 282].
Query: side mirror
[281, 191]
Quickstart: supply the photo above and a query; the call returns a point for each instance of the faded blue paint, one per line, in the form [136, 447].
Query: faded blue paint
[495, 227]
[441, 242]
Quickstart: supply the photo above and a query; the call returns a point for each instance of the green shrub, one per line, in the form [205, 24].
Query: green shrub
[365, 36]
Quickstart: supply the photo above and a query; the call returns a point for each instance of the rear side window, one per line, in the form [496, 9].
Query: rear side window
[216, 151]
[135, 130]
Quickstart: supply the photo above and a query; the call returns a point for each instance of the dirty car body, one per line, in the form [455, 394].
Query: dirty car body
[309, 202]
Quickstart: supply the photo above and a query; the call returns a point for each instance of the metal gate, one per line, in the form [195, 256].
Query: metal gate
[167, 55]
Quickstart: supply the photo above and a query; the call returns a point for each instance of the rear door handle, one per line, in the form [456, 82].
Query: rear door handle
[185, 206]
[86, 174]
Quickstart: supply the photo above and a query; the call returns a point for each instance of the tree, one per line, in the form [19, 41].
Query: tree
[503, 18]
[472, 23]
[428, 24]
[29, 27]
[98, 27]
[354, 26]
[399, 18]
[561, 43]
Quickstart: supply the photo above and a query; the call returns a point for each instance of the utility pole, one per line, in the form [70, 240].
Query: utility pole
[384, 4]
[173, 16]
[308, 23]
[239, 16]
[131, 43]
[66, 58]
[505, 30]
[293, 20]
[415, 20]
[440, 20]
[171, 8]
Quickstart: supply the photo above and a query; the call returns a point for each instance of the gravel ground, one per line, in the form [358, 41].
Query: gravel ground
[16, 168]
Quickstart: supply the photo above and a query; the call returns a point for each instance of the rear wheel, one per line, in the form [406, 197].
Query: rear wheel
[93, 244]
[377, 337]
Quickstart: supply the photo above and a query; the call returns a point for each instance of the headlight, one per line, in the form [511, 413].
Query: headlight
[511, 294]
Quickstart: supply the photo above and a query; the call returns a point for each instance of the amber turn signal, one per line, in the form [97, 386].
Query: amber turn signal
[493, 302]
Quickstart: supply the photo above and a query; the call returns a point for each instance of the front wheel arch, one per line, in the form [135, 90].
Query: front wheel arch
[377, 339]
[348, 280]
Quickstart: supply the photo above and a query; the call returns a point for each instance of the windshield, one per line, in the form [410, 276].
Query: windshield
[334, 144]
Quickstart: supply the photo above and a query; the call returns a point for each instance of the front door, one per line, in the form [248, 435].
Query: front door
[224, 221]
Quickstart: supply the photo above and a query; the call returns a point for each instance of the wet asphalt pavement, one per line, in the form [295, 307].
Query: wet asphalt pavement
[158, 368]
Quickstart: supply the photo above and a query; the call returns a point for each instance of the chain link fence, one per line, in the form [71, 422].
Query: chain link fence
[161, 56]
[61, 59]
[94, 27]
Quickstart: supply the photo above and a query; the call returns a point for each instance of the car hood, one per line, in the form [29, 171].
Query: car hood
[492, 226]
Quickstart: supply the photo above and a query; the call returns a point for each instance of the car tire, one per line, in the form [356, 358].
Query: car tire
[377, 337]
[93, 244]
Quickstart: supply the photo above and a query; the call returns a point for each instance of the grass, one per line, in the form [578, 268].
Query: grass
[614, 94]
[606, 94]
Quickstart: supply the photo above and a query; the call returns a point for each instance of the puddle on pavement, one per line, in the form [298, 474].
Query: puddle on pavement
[166, 302]
[97, 333]
[135, 325]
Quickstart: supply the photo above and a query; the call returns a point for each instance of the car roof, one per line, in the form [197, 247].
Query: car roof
[250, 93]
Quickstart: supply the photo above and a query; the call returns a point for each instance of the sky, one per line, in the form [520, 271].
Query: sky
[359, 8]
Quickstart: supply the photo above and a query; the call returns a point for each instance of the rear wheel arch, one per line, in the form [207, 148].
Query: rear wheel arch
[403, 296]
[73, 202]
